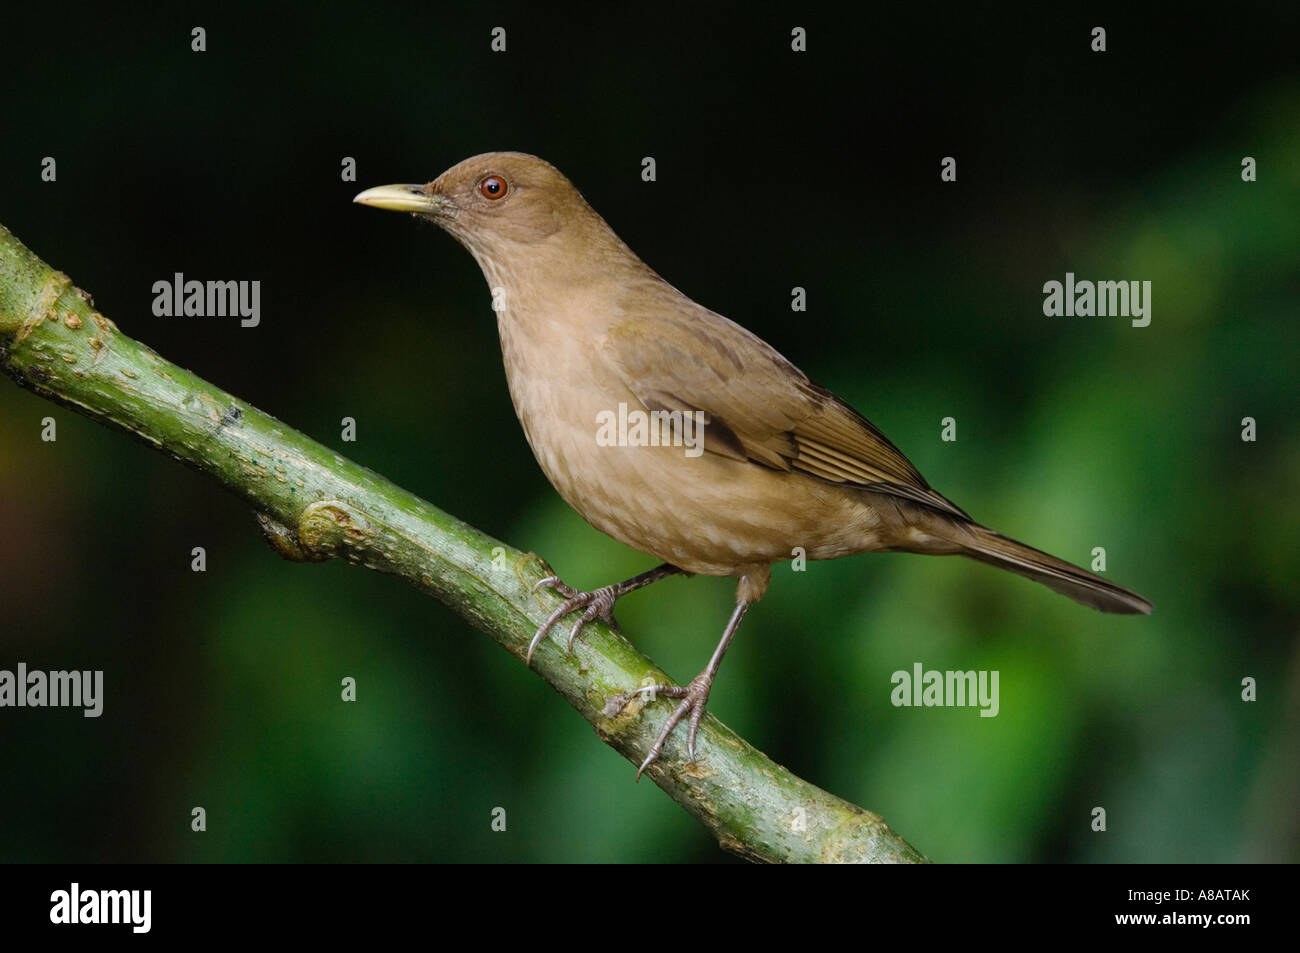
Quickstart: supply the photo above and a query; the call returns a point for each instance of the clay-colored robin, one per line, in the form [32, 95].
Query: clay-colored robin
[676, 431]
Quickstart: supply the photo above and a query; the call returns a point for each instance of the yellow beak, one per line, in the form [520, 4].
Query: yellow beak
[403, 198]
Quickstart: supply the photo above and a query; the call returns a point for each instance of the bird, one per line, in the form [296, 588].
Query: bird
[675, 430]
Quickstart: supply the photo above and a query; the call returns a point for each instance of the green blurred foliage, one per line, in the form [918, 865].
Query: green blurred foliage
[775, 170]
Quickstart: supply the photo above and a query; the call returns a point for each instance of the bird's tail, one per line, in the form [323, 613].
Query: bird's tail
[981, 543]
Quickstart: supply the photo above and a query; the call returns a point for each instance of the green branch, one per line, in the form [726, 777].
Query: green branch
[314, 504]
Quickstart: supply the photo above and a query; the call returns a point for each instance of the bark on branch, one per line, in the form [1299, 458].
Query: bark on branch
[315, 504]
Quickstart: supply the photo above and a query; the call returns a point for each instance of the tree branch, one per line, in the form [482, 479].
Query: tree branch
[314, 504]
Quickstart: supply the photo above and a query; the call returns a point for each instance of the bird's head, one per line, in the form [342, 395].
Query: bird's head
[495, 204]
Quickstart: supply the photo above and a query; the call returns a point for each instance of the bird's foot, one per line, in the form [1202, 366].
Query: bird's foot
[695, 697]
[598, 604]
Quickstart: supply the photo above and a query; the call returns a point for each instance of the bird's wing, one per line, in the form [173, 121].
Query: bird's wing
[758, 406]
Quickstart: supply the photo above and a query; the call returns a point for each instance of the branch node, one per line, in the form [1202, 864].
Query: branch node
[329, 528]
[284, 541]
[530, 568]
[43, 307]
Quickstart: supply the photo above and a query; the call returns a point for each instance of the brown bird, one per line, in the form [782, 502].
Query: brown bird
[677, 431]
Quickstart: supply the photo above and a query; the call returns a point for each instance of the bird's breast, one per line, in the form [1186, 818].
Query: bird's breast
[643, 483]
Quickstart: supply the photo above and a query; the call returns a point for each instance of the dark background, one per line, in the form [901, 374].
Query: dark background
[775, 169]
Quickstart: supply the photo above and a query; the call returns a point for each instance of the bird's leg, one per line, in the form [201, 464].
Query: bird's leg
[694, 696]
[599, 603]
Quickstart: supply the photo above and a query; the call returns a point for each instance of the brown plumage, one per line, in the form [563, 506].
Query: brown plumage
[588, 329]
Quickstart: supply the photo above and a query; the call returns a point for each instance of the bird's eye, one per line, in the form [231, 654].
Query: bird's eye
[492, 187]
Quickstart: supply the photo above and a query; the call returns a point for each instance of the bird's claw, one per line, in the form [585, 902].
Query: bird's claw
[598, 604]
[695, 697]
[554, 582]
